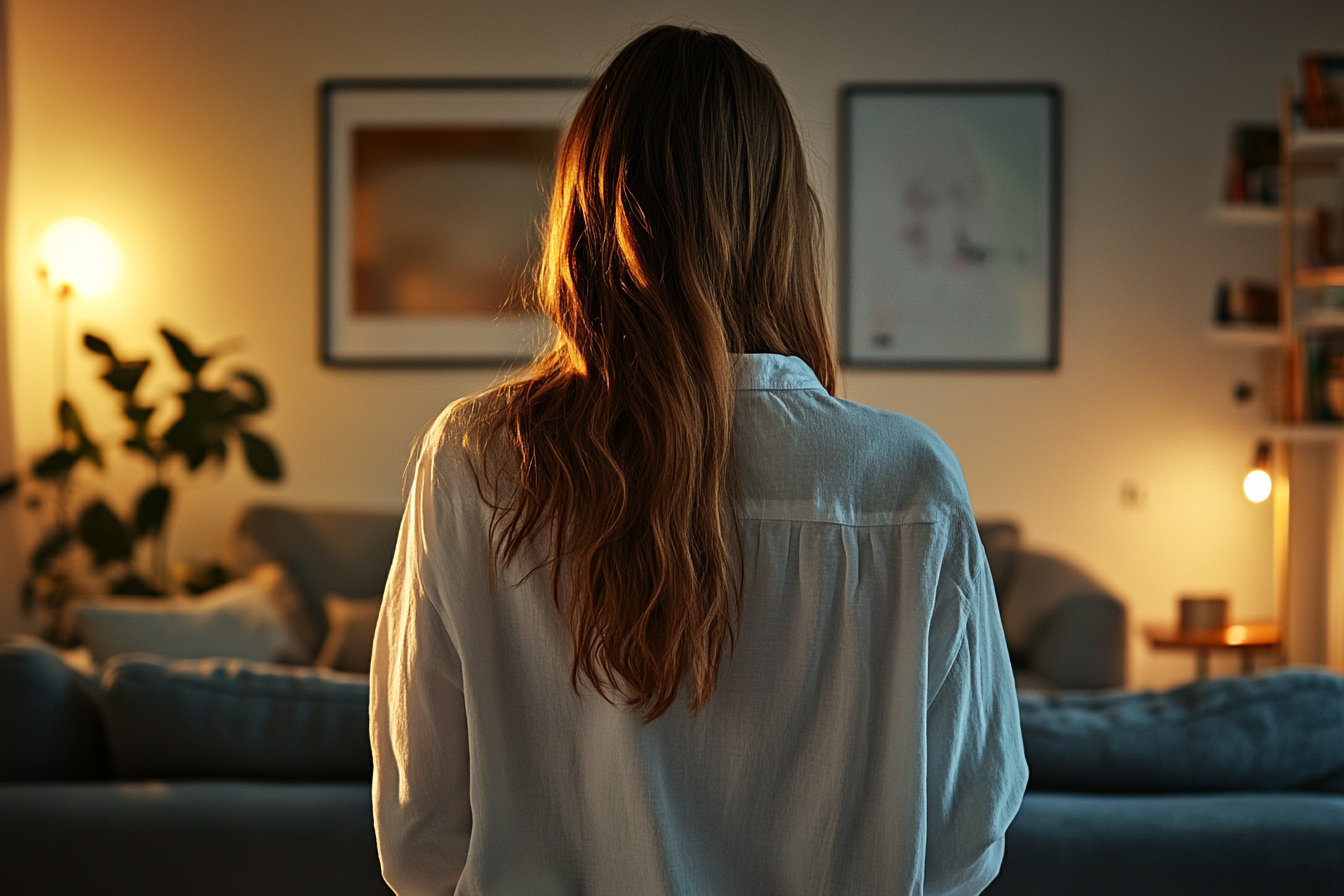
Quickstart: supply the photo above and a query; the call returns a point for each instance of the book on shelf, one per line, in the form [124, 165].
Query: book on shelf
[1323, 376]
[1246, 302]
[1323, 90]
[1325, 239]
[1253, 166]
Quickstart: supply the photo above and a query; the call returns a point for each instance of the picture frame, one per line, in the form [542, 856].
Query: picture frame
[950, 226]
[434, 194]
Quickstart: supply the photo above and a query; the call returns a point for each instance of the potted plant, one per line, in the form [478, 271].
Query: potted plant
[91, 548]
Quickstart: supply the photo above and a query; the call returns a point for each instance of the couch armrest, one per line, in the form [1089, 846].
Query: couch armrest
[50, 728]
[1081, 644]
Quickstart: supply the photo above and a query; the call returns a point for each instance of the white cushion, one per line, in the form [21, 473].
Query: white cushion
[252, 619]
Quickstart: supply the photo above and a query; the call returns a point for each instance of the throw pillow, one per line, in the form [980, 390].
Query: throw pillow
[256, 618]
[348, 646]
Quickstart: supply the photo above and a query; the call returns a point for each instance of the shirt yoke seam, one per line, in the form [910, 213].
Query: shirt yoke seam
[893, 525]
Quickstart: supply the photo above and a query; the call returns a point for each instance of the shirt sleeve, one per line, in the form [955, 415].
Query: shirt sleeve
[976, 767]
[417, 716]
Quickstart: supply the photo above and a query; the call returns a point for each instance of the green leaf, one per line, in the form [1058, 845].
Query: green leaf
[99, 346]
[261, 457]
[55, 464]
[69, 418]
[92, 453]
[124, 376]
[198, 434]
[139, 445]
[151, 510]
[105, 534]
[73, 437]
[137, 414]
[188, 360]
[49, 548]
[259, 399]
[184, 439]
[139, 440]
[206, 577]
[8, 486]
[224, 406]
[135, 585]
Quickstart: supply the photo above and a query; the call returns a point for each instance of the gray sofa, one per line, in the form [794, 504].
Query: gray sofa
[199, 777]
[186, 777]
[1065, 631]
[1224, 787]
[219, 776]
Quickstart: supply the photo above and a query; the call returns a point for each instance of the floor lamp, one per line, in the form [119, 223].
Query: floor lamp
[76, 257]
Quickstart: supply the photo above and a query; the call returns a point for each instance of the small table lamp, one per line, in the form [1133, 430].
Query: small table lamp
[1258, 483]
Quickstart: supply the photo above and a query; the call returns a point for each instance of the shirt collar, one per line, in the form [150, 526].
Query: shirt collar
[760, 371]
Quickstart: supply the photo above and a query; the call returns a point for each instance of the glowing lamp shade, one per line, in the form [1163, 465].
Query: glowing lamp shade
[78, 256]
[1257, 485]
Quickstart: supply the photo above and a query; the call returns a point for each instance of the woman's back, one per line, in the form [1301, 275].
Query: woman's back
[666, 617]
[863, 738]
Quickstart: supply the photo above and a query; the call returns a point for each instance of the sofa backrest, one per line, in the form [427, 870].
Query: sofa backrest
[149, 717]
[324, 551]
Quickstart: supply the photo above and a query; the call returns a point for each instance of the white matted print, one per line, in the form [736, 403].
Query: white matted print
[434, 194]
[950, 226]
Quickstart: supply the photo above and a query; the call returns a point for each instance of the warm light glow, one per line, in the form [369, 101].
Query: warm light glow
[1236, 634]
[77, 256]
[1257, 485]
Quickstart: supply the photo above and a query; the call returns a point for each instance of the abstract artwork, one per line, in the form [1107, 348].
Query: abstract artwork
[435, 195]
[950, 226]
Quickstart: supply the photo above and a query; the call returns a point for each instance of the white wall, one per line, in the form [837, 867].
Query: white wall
[11, 561]
[188, 127]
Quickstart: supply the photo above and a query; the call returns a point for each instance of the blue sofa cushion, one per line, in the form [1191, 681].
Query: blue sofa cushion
[1235, 844]
[50, 729]
[228, 718]
[1278, 731]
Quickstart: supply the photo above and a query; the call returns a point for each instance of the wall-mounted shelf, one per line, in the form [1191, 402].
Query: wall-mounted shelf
[1247, 335]
[1253, 215]
[1321, 318]
[1298, 372]
[1320, 277]
[1305, 433]
[1316, 142]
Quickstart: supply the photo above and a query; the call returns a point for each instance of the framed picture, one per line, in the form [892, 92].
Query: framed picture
[434, 194]
[949, 226]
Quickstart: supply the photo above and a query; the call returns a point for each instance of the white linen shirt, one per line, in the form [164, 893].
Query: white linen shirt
[864, 738]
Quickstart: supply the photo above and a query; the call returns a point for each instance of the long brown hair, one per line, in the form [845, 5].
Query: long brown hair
[682, 229]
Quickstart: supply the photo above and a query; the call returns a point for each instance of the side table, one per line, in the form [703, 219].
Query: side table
[1246, 639]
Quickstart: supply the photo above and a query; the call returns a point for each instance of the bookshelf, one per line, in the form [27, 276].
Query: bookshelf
[1302, 364]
